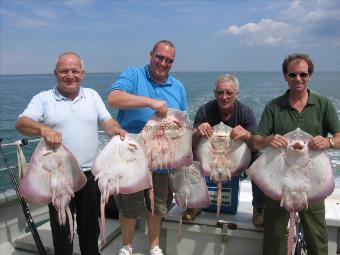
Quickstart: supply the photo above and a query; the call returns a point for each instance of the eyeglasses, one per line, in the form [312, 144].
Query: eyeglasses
[167, 60]
[224, 92]
[294, 75]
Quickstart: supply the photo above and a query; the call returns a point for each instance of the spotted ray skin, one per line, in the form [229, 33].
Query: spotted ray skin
[168, 140]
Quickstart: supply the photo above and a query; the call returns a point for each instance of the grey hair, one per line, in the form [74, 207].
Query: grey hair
[69, 53]
[228, 78]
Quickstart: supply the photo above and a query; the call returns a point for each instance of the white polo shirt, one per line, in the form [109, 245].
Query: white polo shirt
[77, 120]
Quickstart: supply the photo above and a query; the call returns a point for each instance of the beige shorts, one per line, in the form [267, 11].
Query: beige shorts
[132, 206]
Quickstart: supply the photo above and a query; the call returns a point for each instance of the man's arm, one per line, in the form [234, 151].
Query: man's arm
[320, 143]
[112, 128]
[30, 127]
[261, 142]
[240, 132]
[336, 141]
[123, 100]
[204, 129]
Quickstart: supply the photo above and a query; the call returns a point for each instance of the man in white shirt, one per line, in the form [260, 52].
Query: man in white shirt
[70, 114]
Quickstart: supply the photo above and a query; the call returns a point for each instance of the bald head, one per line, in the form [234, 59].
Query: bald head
[66, 54]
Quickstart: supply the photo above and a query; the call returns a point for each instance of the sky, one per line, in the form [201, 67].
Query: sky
[209, 35]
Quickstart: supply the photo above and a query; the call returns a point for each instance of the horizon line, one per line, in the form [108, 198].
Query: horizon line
[187, 71]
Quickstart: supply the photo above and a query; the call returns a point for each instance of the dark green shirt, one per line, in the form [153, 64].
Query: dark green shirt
[319, 117]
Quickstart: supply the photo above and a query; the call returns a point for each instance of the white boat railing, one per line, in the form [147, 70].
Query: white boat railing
[22, 142]
[25, 142]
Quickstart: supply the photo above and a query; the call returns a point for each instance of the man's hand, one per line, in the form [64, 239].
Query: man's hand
[205, 129]
[319, 143]
[277, 141]
[121, 132]
[112, 128]
[160, 107]
[52, 137]
[239, 132]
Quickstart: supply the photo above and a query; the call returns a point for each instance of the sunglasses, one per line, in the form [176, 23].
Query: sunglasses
[294, 75]
[167, 60]
[224, 92]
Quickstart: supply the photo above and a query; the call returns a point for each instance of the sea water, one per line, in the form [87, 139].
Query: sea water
[256, 89]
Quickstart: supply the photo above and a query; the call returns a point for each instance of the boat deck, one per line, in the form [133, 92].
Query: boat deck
[24, 245]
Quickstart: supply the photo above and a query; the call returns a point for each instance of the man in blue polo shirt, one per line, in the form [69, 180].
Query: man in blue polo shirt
[70, 114]
[138, 93]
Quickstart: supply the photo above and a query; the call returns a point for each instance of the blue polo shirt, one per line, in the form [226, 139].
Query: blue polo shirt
[77, 120]
[137, 81]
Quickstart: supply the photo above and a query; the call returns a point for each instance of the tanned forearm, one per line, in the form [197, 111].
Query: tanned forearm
[248, 140]
[195, 137]
[336, 141]
[29, 127]
[123, 100]
[112, 128]
[260, 142]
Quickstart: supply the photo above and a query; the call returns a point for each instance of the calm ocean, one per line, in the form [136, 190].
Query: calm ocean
[256, 89]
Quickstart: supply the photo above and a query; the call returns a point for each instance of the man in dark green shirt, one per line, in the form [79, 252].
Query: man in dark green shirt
[314, 114]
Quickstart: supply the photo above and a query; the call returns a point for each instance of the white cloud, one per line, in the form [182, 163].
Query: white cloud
[29, 16]
[45, 13]
[79, 7]
[301, 23]
[265, 32]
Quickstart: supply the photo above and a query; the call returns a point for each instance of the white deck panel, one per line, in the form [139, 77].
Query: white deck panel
[243, 219]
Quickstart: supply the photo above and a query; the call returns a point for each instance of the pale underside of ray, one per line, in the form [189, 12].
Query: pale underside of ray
[222, 157]
[121, 167]
[168, 140]
[190, 190]
[295, 175]
[281, 172]
[53, 176]
[189, 186]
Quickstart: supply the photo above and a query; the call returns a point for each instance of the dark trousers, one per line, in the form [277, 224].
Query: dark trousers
[259, 199]
[313, 224]
[86, 206]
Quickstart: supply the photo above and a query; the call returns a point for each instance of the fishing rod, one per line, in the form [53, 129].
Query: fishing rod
[22, 201]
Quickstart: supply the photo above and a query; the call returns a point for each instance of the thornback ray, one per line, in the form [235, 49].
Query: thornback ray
[167, 140]
[53, 176]
[222, 157]
[121, 167]
[294, 175]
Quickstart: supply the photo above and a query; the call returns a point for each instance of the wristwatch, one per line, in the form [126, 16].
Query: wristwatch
[331, 142]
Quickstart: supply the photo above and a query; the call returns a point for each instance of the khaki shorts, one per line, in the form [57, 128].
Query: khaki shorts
[132, 206]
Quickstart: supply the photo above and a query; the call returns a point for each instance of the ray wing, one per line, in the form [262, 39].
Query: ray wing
[189, 185]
